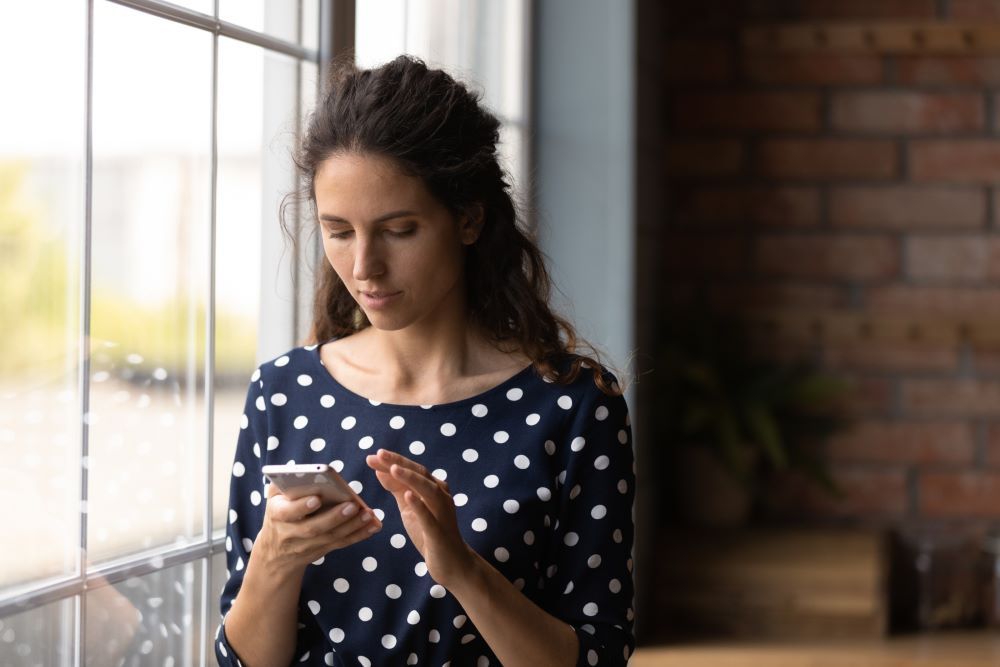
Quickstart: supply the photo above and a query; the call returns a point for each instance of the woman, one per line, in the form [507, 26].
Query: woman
[498, 469]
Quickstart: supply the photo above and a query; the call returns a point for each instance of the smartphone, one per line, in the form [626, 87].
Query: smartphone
[296, 480]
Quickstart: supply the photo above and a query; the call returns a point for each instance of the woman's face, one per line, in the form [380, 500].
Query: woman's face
[384, 232]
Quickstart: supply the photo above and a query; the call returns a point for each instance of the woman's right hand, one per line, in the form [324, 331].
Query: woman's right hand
[294, 534]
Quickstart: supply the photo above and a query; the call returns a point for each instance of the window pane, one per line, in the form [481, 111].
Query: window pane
[310, 24]
[256, 129]
[279, 18]
[151, 188]
[219, 576]
[203, 6]
[42, 206]
[150, 620]
[40, 636]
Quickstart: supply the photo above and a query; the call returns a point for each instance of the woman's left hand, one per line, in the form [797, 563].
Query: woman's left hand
[428, 513]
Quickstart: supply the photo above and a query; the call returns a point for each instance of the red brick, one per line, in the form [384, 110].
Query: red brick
[713, 157]
[920, 442]
[698, 61]
[973, 9]
[827, 257]
[937, 301]
[908, 112]
[818, 69]
[866, 396]
[953, 398]
[985, 358]
[777, 296]
[993, 446]
[685, 255]
[866, 9]
[908, 207]
[890, 356]
[948, 70]
[960, 494]
[972, 258]
[778, 206]
[747, 111]
[827, 159]
[868, 493]
[955, 160]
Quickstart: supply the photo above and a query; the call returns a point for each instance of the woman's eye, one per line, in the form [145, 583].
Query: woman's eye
[343, 235]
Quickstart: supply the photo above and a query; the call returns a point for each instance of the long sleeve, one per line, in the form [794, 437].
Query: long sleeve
[590, 583]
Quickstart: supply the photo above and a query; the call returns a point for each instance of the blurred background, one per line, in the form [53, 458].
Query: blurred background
[776, 217]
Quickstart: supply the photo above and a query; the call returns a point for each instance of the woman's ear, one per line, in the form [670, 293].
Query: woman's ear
[471, 224]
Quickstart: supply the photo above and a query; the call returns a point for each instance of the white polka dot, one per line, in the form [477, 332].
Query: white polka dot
[470, 455]
[256, 375]
[467, 638]
[337, 465]
[434, 636]
[393, 591]
[364, 662]
[601, 462]
[232, 516]
[369, 564]
[437, 591]
[460, 499]
[448, 429]
[511, 506]
[347, 423]
[482, 661]
[413, 617]
[617, 535]
[550, 447]
[397, 422]
[622, 486]
[365, 614]
[389, 641]
[532, 419]
[317, 444]
[459, 620]
[366, 442]
[238, 469]
[565, 402]
[272, 443]
[614, 586]
[244, 422]
[300, 422]
[574, 492]
[261, 405]
[501, 554]
[479, 525]
[590, 609]
[319, 561]
[420, 568]
[501, 437]
[514, 394]
[356, 485]
[599, 511]
[281, 361]
[341, 585]
[278, 399]
[601, 413]
[568, 589]
[256, 449]
[313, 606]
[255, 497]
[491, 481]
[622, 436]
[229, 543]
[550, 571]
[417, 448]
[379, 513]
[327, 401]
[397, 540]
[591, 657]
[304, 380]
[544, 493]
[440, 473]
[570, 539]
[336, 635]
[521, 461]
[479, 410]
[578, 443]
[594, 560]
[529, 538]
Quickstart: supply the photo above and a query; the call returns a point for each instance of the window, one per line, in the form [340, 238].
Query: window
[140, 175]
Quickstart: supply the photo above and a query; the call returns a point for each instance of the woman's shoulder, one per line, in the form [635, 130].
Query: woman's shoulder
[289, 363]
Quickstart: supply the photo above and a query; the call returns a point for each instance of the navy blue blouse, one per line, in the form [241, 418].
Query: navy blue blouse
[543, 481]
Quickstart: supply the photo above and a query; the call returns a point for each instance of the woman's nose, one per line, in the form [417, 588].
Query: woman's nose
[367, 259]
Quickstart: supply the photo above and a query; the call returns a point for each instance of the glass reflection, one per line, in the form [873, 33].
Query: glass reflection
[40, 636]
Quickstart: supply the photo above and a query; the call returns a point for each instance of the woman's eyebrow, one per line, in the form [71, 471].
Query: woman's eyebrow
[381, 218]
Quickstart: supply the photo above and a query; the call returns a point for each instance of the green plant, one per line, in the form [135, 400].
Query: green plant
[755, 416]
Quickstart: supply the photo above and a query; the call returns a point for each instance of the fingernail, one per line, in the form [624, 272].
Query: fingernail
[312, 503]
[350, 509]
[372, 529]
[366, 517]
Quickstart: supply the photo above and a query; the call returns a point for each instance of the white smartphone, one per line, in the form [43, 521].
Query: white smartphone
[296, 480]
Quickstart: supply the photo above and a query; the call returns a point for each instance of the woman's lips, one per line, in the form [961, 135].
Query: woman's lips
[379, 301]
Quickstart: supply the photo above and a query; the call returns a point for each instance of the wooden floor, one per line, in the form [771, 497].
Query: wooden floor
[979, 649]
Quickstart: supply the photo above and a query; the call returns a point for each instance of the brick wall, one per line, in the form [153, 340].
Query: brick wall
[847, 197]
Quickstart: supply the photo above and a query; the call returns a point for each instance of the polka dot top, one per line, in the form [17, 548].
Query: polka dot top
[543, 481]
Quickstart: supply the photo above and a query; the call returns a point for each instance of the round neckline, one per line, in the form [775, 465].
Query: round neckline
[478, 398]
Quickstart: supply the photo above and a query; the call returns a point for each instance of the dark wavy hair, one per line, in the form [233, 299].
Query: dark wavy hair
[433, 128]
